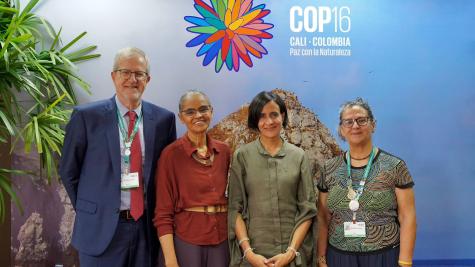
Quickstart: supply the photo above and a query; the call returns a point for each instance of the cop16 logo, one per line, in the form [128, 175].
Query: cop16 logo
[313, 19]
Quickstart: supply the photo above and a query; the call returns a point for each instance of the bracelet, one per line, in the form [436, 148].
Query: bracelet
[293, 250]
[405, 263]
[246, 251]
[322, 259]
[242, 240]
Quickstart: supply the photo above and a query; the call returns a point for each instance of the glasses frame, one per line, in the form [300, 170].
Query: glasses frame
[123, 75]
[195, 111]
[360, 124]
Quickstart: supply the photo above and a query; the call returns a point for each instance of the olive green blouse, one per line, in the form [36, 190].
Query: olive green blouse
[274, 195]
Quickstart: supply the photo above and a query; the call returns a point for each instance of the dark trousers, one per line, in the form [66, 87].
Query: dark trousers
[128, 248]
[385, 258]
[189, 255]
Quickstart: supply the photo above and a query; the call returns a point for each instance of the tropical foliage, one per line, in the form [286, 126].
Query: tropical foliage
[37, 80]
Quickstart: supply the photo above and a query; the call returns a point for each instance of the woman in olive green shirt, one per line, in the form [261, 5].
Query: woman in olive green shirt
[271, 196]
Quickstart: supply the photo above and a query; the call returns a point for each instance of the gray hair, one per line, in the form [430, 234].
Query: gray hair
[190, 93]
[358, 102]
[130, 52]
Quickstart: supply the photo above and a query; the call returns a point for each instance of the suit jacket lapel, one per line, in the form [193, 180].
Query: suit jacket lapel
[149, 136]
[112, 132]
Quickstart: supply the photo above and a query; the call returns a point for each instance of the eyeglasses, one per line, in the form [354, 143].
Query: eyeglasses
[126, 74]
[192, 112]
[361, 121]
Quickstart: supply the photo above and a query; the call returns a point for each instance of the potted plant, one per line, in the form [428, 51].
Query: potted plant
[45, 76]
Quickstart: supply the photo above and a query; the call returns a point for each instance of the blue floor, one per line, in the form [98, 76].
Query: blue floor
[445, 263]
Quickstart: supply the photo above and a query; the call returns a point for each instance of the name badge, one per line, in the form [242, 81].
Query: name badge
[129, 180]
[356, 229]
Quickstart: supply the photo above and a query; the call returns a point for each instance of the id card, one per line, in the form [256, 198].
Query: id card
[129, 180]
[356, 229]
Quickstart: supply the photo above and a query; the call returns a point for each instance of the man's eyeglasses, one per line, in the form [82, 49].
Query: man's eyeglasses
[126, 74]
[361, 121]
[192, 112]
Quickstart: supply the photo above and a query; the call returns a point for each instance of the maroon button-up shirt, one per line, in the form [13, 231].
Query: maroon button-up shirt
[181, 183]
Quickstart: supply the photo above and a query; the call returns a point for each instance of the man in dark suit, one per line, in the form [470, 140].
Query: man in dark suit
[108, 164]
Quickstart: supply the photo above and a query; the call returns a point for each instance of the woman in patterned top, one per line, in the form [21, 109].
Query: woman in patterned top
[366, 211]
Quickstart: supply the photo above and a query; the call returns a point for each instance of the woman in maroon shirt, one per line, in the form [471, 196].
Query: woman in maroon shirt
[191, 208]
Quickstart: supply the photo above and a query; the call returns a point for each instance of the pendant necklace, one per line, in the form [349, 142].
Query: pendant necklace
[354, 195]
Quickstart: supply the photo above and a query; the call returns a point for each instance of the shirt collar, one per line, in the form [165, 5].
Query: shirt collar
[190, 149]
[263, 151]
[123, 110]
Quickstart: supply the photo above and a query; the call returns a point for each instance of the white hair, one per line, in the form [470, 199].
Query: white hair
[130, 52]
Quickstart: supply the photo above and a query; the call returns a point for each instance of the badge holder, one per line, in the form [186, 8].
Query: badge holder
[354, 228]
[128, 180]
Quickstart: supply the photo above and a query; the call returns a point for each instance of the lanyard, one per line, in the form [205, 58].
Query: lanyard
[126, 138]
[362, 183]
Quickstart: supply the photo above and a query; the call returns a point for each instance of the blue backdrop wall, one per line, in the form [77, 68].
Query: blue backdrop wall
[414, 62]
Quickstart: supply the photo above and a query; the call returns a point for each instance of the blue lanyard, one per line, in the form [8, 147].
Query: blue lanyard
[359, 190]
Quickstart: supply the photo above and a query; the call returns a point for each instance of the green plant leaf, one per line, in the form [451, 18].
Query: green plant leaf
[36, 87]
[9, 10]
[7, 123]
[5, 185]
[72, 42]
[56, 40]
[27, 8]
[81, 52]
[49, 29]
[22, 38]
[88, 57]
[39, 145]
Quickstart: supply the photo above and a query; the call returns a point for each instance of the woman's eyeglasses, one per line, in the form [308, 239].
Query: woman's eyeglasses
[361, 121]
[192, 112]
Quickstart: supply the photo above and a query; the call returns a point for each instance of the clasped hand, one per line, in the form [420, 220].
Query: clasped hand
[279, 260]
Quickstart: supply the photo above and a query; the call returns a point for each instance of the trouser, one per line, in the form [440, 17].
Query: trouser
[386, 258]
[189, 255]
[128, 247]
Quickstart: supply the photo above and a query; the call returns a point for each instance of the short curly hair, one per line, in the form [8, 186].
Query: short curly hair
[359, 102]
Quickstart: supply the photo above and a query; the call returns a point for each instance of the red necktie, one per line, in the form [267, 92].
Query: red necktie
[136, 194]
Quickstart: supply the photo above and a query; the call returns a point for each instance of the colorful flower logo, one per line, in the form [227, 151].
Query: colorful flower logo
[229, 30]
